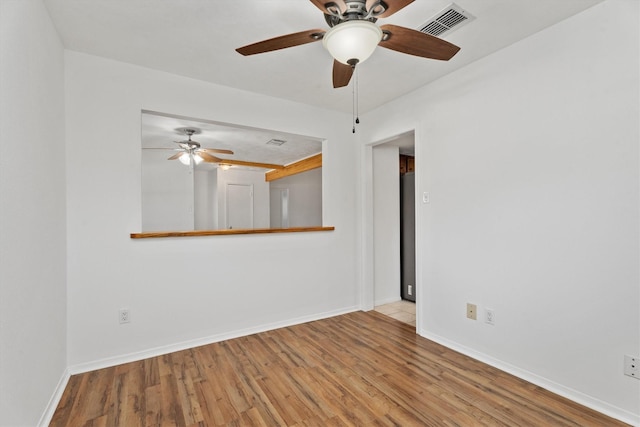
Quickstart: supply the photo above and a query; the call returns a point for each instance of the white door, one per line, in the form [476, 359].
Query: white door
[239, 206]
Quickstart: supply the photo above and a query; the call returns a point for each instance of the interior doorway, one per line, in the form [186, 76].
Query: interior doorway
[392, 225]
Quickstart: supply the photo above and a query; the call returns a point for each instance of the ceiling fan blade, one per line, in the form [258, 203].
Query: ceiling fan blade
[341, 74]
[282, 42]
[322, 5]
[209, 158]
[175, 156]
[392, 6]
[214, 150]
[414, 42]
[254, 164]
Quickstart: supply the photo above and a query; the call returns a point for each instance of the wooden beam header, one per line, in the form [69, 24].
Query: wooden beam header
[303, 165]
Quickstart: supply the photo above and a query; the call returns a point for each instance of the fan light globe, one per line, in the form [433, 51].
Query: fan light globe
[184, 159]
[352, 40]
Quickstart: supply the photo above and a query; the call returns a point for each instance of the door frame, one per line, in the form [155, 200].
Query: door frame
[367, 291]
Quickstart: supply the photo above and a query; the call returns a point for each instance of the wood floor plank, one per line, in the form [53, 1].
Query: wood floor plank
[358, 369]
[171, 412]
[67, 401]
[88, 405]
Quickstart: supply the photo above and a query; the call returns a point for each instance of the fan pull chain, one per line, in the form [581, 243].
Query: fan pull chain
[353, 107]
[357, 98]
[355, 103]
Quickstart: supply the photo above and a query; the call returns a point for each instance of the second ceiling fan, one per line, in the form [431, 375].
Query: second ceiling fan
[191, 153]
[354, 35]
[191, 150]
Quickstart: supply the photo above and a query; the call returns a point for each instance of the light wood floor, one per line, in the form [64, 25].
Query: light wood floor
[359, 369]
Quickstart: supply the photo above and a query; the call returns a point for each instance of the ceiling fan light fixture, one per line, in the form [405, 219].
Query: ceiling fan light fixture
[352, 40]
[185, 159]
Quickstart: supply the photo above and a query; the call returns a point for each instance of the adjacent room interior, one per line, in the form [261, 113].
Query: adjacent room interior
[524, 179]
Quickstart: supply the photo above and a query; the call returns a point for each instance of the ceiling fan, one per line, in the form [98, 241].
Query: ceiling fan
[191, 150]
[353, 36]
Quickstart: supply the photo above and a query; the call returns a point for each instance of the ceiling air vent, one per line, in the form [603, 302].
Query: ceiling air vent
[450, 18]
[277, 142]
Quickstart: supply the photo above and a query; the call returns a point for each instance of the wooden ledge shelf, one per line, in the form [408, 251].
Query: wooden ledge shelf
[156, 234]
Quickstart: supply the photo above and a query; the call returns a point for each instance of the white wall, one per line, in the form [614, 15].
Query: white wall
[386, 223]
[204, 201]
[531, 159]
[32, 212]
[168, 196]
[305, 199]
[219, 285]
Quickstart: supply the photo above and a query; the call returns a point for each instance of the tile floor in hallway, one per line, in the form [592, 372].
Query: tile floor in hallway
[404, 311]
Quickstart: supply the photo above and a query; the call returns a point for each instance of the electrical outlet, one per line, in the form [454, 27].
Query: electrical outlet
[632, 366]
[472, 311]
[489, 316]
[410, 289]
[124, 316]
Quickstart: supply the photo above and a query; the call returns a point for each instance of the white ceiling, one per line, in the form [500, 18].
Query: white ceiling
[160, 131]
[197, 39]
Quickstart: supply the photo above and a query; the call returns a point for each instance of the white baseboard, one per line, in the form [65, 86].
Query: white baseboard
[45, 419]
[157, 351]
[574, 395]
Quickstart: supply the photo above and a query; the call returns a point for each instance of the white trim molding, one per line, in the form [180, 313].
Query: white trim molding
[559, 389]
[184, 345]
[47, 415]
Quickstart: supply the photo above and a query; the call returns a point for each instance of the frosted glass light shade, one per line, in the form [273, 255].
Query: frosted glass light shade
[352, 40]
[184, 159]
